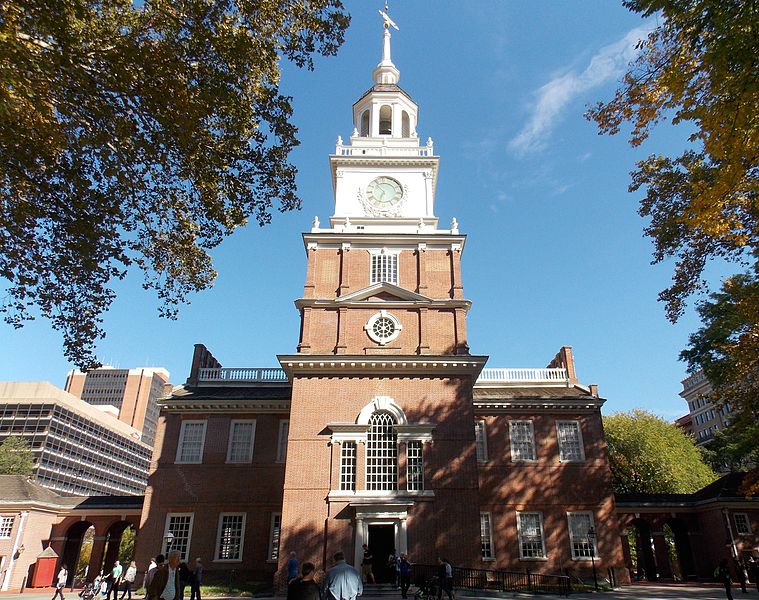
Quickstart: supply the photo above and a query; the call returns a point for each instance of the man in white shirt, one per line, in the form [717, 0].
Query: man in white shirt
[129, 577]
[63, 575]
[165, 582]
[342, 581]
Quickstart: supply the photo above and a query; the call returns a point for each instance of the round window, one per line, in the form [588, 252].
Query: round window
[383, 327]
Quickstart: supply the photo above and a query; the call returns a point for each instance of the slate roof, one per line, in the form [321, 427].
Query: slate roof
[527, 391]
[384, 87]
[184, 393]
[17, 488]
[726, 488]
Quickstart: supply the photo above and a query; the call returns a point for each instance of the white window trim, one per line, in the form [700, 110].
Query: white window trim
[534, 446]
[542, 536]
[249, 458]
[595, 539]
[748, 522]
[491, 558]
[385, 252]
[369, 327]
[181, 441]
[271, 536]
[582, 442]
[218, 537]
[477, 424]
[189, 530]
[282, 443]
[12, 519]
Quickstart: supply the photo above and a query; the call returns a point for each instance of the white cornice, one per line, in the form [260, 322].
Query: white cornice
[354, 365]
[442, 240]
[335, 302]
[496, 406]
[374, 160]
[225, 405]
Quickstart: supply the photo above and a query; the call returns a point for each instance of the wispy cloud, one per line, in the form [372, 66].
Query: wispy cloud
[609, 62]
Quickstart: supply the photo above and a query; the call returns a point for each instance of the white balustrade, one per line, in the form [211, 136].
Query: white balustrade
[341, 150]
[273, 375]
[526, 375]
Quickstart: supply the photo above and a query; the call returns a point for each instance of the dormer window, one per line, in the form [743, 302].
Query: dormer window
[386, 120]
[365, 123]
[384, 267]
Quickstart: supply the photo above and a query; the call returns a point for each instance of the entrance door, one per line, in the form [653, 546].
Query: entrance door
[382, 544]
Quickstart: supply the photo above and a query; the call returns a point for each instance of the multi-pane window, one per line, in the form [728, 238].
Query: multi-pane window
[241, 437]
[179, 525]
[381, 453]
[580, 524]
[481, 441]
[6, 526]
[274, 531]
[522, 440]
[191, 439]
[348, 466]
[742, 525]
[384, 268]
[415, 463]
[284, 430]
[230, 538]
[530, 527]
[486, 536]
[570, 440]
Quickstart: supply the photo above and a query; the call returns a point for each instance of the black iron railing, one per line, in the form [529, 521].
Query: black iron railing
[492, 579]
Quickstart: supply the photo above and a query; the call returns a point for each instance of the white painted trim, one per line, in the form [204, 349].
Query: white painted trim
[491, 539]
[269, 559]
[748, 523]
[282, 443]
[532, 436]
[542, 535]
[382, 403]
[249, 458]
[582, 443]
[189, 532]
[217, 548]
[592, 524]
[484, 431]
[383, 314]
[181, 442]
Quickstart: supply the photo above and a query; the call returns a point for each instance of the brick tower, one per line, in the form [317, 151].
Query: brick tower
[381, 443]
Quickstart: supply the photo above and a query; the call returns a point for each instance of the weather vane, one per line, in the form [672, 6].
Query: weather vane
[388, 21]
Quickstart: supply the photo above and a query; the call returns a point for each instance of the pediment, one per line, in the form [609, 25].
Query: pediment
[383, 292]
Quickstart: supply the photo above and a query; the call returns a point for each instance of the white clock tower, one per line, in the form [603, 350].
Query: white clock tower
[384, 179]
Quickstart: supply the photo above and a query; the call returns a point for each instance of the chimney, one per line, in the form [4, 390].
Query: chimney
[564, 359]
[201, 359]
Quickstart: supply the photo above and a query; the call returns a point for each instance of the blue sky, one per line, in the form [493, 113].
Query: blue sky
[555, 253]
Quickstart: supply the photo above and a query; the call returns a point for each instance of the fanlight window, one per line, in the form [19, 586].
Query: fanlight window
[381, 453]
[386, 120]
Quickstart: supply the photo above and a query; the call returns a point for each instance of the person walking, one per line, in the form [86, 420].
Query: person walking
[445, 579]
[129, 577]
[753, 569]
[196, 579]
[165, 582]
[305, 586]
[154, 564]
[115, 580]
[292, 567]
[342, 582]
[740, 570]
[366, 565]
[63, 575]
[722, 573]
[404, 573]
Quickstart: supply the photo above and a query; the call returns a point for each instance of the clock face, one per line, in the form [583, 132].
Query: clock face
[383, 193]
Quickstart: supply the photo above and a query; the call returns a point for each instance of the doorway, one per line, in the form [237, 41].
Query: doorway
[381, 545]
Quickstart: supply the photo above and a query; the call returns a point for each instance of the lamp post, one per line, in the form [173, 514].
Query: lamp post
[169, 539]
[592, 541]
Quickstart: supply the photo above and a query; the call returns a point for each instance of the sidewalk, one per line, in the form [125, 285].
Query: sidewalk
[631, 592]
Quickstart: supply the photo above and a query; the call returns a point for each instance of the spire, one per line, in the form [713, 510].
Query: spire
[386, 71]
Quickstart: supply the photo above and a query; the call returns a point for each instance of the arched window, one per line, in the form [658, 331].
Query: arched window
[382, 453]
[405, 125]
[365, 123]
[386, 120]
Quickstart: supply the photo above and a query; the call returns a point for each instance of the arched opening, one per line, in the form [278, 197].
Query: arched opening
[641, 550]
[365, 123]
[405, 125]
[386, 120]
[680, 551]
[119, 545]
[382, 453]
[77, 550]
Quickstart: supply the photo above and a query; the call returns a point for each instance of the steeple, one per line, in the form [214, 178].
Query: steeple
[386, 71]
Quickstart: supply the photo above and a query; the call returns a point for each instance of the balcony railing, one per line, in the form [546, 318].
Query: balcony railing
[523, 375]
[272, 375]
[495, 375]
[341, 150]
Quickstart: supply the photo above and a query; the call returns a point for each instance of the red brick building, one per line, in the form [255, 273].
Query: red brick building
[383, 428]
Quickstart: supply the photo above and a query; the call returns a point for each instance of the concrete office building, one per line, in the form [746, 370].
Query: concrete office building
[130, 394]
[77, 448]
[706, 419]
